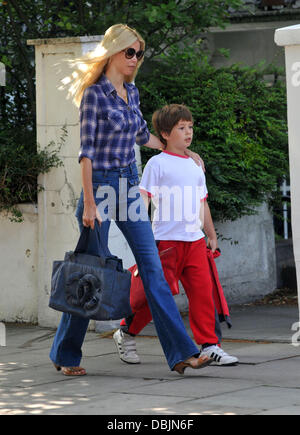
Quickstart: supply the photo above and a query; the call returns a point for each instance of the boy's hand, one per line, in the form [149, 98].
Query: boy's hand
[197, 159]
[212, 244]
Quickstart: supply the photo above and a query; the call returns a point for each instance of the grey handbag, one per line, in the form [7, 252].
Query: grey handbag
[90, 286]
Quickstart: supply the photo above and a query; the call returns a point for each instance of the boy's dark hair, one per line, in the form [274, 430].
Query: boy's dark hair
[165, 119]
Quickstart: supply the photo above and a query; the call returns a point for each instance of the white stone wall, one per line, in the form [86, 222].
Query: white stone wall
[19, 274]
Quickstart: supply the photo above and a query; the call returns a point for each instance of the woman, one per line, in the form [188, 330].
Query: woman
[110, 124]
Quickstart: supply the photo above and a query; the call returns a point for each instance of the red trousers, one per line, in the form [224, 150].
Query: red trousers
[192, 269]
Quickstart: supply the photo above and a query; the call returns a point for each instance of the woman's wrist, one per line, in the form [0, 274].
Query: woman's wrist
[89, 202]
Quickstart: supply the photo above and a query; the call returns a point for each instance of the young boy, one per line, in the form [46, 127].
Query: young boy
[177, 187]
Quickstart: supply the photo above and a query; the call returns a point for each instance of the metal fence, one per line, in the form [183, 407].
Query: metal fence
[252, 6]
[282, 214]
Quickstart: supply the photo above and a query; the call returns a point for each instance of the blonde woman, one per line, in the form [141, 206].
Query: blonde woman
[110, 124]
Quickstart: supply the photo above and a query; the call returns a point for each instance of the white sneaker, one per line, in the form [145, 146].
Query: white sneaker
[220, 357]
[126, 347]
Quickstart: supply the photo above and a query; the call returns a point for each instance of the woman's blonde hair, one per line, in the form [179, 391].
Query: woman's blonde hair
[90, 67]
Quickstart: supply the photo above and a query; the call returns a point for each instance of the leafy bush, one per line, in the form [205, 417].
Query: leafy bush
[19, 170]
[240, 126]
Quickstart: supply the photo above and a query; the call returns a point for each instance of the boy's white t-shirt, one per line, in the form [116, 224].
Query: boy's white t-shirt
[177, 187]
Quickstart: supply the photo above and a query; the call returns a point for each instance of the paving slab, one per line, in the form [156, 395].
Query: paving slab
[284, 410]
[132, 404]
[198, 387]
[268, 323]
[263, 398]
[281, 373]
[262, 323]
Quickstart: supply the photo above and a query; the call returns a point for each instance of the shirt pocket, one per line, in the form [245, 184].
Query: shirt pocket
[117, 120]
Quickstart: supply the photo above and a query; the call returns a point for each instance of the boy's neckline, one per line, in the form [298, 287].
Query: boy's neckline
[174, 154]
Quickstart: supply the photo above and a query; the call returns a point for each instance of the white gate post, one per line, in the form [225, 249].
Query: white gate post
[289, 37]
[61, 186]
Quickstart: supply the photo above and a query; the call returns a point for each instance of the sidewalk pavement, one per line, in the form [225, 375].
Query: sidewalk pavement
[266, 382]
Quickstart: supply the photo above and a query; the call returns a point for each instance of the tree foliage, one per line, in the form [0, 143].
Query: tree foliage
[163, 24]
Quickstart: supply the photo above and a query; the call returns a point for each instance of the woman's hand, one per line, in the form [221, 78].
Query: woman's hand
[197, 159]
[90, 213]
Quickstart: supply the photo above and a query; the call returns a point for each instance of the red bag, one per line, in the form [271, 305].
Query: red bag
[168, 259]
[218, 293]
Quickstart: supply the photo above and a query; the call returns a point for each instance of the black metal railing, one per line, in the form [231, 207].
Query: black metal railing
[265, 8]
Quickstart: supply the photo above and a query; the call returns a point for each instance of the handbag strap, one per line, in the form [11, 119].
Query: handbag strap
[83, 243]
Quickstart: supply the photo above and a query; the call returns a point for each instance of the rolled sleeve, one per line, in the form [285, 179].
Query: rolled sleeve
[88, 123]
[143, 135]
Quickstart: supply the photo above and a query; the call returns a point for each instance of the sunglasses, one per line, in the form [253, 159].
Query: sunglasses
[130, 53]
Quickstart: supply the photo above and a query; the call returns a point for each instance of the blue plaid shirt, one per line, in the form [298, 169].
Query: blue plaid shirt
[109, 128]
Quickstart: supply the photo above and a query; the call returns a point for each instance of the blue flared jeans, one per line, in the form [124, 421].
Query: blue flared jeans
[117, 197]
